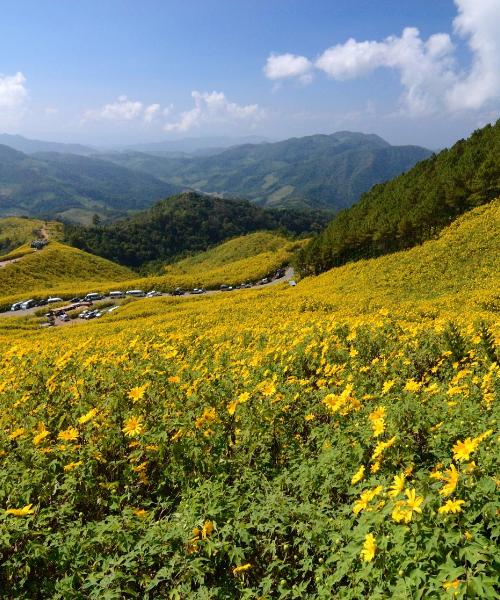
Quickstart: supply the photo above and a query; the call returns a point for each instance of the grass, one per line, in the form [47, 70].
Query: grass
[16, 231]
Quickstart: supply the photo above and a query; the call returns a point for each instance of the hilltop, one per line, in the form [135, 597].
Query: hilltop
[16, 231]
[73, 188]
[412, 207]
[319, 171]
[57, 265]
[186, 223]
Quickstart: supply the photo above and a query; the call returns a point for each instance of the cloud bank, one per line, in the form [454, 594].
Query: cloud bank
[123, 109]
[427, 69]
[213, 107]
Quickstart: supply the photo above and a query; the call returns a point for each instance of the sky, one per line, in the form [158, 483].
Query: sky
[112, 72]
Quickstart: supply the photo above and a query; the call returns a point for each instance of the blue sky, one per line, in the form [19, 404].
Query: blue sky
[121, 71]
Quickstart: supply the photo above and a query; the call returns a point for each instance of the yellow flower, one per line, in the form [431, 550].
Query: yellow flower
[388, 385]
[133, 427]
[137, 393]
[141, 513]
[358, 476]
[451, 585]
[369, 548]
[463, 450]
[451, 506]
[241, 568]
[366, 497]
[267, 388]
[16, 433]
[20, 512]
[381, 446]
[413, 386]
[68, 435]
[450, 476]
[398, 485]
[413, 501]
[207, 529]
[231, 407]
[309, 417]
[243, 397]
[71, 466]
[174, 379]
[400, 513]
[41, 435]
[88, 416]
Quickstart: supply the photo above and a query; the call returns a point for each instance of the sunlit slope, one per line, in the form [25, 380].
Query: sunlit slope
[16, 231]
[247, 257]
[57, 265]
[461, 264]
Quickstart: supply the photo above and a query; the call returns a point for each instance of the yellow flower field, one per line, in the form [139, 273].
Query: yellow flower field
[334, 440]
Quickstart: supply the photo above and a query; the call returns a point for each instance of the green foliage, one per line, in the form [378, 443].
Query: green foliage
[66, 186]
[319, 171]
[184, 224]
[413, 207]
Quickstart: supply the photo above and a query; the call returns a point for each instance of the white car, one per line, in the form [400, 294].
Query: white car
[136, 293]
[116, 294]
[55, 299]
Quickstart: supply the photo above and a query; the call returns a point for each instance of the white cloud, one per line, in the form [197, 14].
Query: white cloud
[13, 92]
[427, 68]
[151, 112]
[281, 66]
[213, 107]
[479, 22]
[121, 110]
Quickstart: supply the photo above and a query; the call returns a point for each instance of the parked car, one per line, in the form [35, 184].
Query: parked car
[263, 281]
[292, 283]
[153, 294]
[135, 293]
[93, 296]
[178, 292]
[199, 291]
[75, 300]
[16, 306]
[28, 304]
[226, 288]
[64, 317]
[54, 299]
[117, 294]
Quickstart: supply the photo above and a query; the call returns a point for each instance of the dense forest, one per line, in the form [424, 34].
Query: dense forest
[413, 207]
[185, 223]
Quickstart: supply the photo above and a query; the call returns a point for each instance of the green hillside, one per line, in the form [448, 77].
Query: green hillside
[16, 231]
[57, 265]
[186, 223]
[412, 207]
[71, 187]
[321, 171]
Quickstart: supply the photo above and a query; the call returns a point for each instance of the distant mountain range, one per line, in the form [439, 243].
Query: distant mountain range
[28, 146]
[72, 187]
[318, 171]
[48, 179]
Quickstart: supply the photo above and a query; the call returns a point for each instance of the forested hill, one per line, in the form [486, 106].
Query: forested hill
[188, 222]
[73, 188]
[412, 207]
[317, 171]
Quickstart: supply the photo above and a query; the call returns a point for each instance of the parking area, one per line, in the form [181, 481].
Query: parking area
[62, 311]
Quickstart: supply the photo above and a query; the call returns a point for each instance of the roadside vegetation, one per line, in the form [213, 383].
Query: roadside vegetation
[338, 439]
